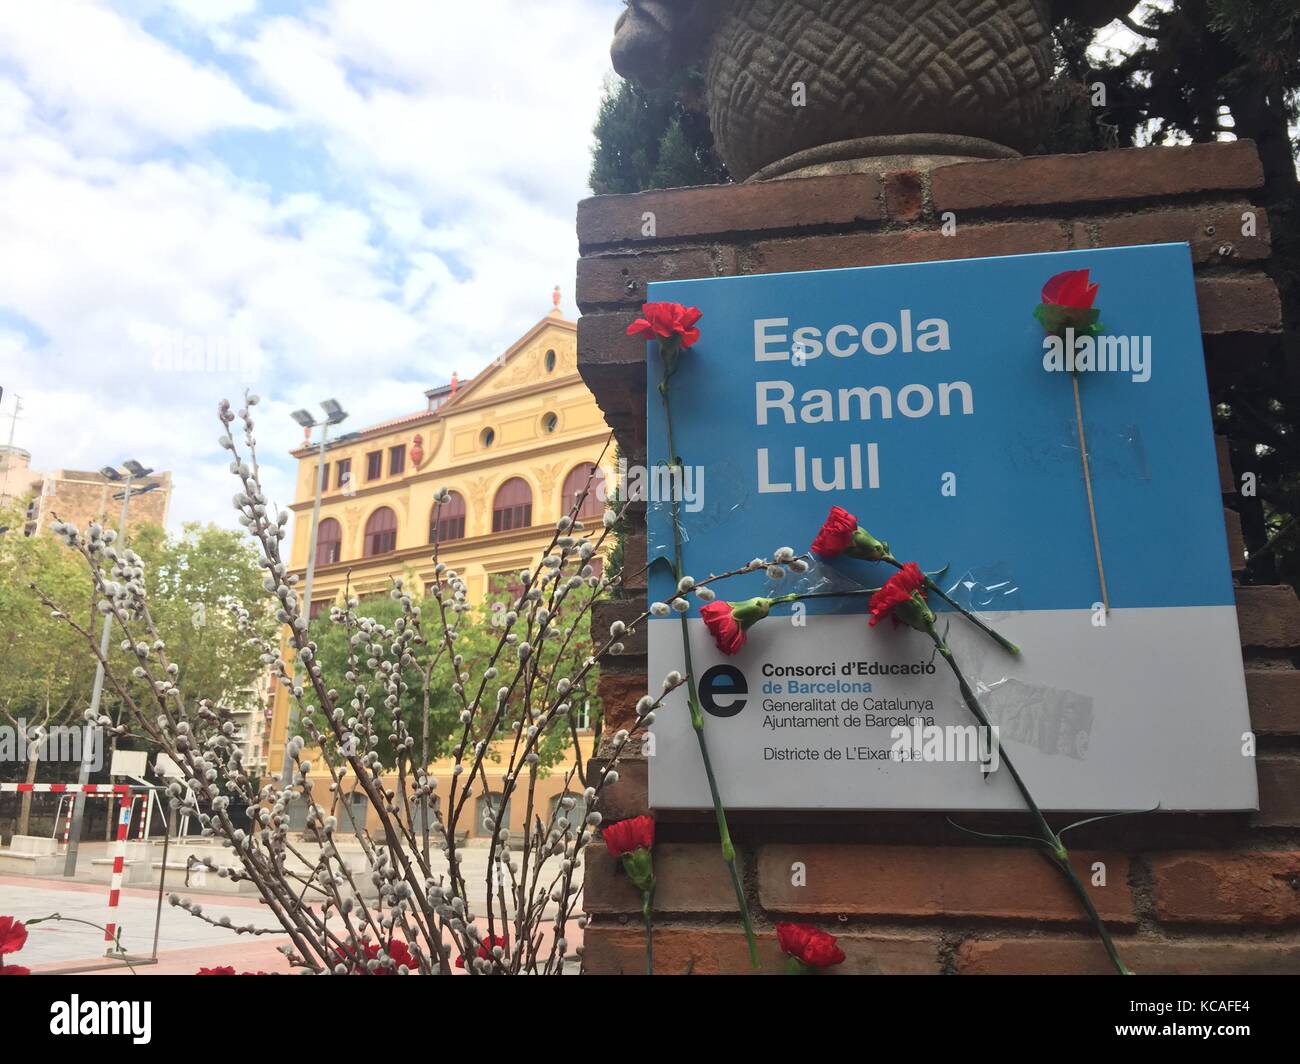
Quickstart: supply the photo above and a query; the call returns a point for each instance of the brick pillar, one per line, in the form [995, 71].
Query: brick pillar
[906, 892]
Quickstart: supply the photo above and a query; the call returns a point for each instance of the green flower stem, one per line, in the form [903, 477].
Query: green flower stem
[1056, 848]
[1000, 639]
[692, 692]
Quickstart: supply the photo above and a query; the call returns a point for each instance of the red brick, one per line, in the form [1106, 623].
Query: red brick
[606, 279]
[845, 199]
[1236, 544]
[1248, 304]
[619, 691]
[1279, 792]
[1136, 173]
[904, 195]
[1227, 888]
[689, 878]
[1269, 617]
[919, 881]
[1192, 225]
[1274, 701]
[634, 561]
[629, 796]
[913, 245]
[688, 950]
[604, 614]
[1073, 955]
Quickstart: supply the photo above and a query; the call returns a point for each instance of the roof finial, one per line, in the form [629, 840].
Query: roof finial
[555, 299]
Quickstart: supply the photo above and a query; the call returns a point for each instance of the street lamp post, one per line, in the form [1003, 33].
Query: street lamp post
[134, 470]
[334, 415]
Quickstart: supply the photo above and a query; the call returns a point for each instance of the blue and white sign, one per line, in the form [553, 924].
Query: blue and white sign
[924, 399]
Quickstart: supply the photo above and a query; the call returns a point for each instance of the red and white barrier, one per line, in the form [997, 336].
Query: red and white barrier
[92, 790]
[119, 860]
[101, 789]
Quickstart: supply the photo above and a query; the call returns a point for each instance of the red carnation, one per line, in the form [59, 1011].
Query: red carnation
[721, 622]
[225, 970]
[727, 622]
[808, 947]
[664, 321]
[840, 534]
[628, 836]
[1071, 289]
[485, 950]
[836, 534]
[1068, 303]
[397, 951]
[13, 936]
[903, 592]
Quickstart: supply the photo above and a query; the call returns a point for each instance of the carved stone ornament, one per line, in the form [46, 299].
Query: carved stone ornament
[830, 86]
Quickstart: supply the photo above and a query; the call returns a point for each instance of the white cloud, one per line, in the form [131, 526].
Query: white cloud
[114, 86]
[444, 153]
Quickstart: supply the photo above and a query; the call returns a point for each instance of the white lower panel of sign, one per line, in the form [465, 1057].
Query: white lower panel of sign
[1094, 718]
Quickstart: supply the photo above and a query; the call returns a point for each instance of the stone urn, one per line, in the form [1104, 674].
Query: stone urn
[799, 87]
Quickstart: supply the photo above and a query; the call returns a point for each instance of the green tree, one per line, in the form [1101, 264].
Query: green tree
[1203, 70]
[654, 138]
[45, 673]
[428, 677]
[195, 581]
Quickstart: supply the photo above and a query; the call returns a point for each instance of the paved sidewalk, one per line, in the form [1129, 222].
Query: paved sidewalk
[185, 943]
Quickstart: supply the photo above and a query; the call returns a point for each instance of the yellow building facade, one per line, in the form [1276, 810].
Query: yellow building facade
[512, 445]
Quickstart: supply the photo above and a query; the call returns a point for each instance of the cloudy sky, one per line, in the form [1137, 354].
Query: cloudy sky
[346, 198]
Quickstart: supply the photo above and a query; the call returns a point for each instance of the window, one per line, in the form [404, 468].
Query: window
[507, 584]
[574, 816]
[374, 465]
[550, 361]
[381, 532]
[321, 479]
[489, 813]
[488, 437]
[447, 522]
[550, 422]
[329, 541]
[343, 473]
[576, 483]
[396, 460]
[513, 506]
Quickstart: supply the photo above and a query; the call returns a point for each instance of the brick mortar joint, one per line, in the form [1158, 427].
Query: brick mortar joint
[1070, 210]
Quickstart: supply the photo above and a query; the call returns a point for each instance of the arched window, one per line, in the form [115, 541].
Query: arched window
[513, 506]
[329, 542]
[491, 813]
[447, 522]
[574, 484]
[381, 532]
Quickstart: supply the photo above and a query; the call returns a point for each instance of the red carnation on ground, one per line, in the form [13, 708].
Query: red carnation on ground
[398, 953]
[485, 950]
[808, 947]
[224, 970]
[900, 589]
[664, 321]
[628, 836]
[13, 936]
